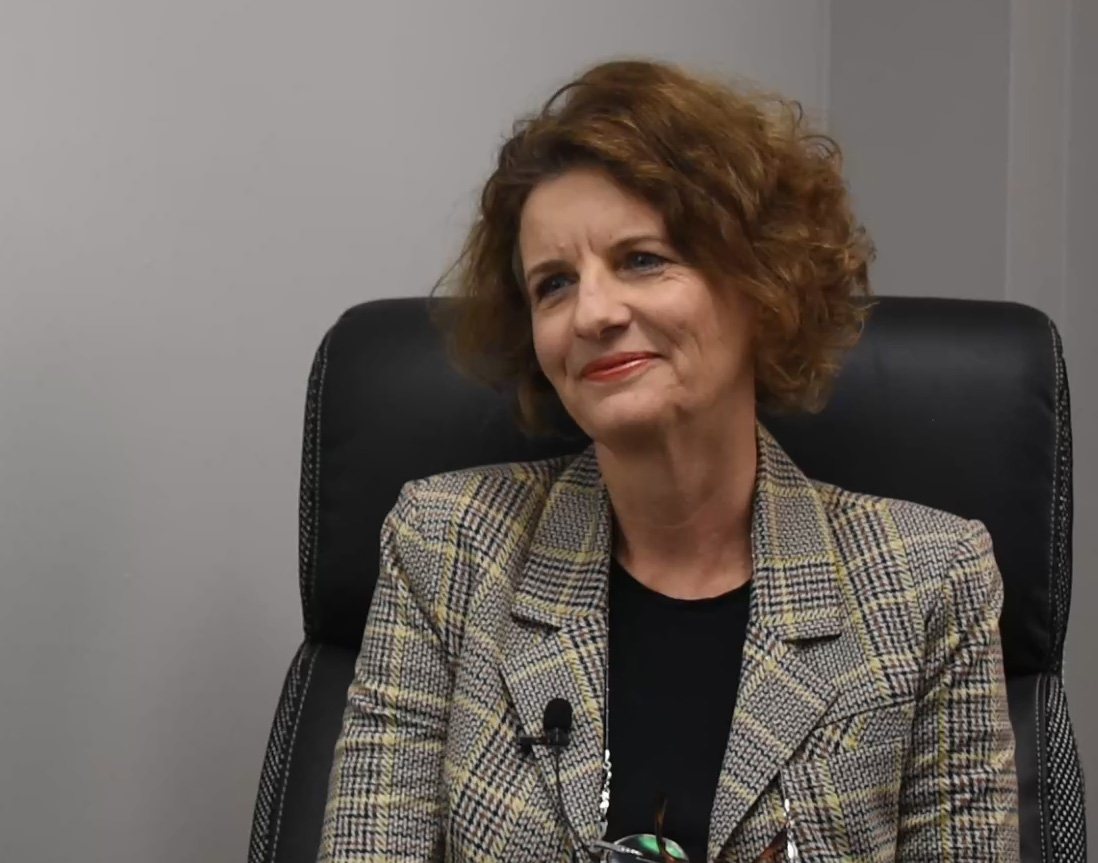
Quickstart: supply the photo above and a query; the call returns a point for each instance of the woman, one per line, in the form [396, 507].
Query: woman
[756, 665]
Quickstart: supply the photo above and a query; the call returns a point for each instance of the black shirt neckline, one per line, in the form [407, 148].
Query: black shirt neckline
[630, 583]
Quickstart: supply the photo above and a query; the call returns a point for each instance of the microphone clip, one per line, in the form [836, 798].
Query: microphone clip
[555, 738]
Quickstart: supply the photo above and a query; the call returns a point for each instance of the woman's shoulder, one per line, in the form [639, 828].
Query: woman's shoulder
[464, 532]
[920, 550]
[854, 510]
[481, 496]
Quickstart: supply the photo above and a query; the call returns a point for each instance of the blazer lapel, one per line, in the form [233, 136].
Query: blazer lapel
[796, 608]
[557, 644]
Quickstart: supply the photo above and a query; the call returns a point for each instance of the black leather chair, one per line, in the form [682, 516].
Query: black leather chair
[960, 405]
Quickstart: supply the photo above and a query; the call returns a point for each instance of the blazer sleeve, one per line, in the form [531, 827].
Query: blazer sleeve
[959, 800]
[383, 795]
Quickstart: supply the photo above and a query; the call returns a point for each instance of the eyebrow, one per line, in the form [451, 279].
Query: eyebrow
[555, 263]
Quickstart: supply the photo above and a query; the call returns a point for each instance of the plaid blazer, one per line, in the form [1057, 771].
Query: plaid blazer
[872, 694]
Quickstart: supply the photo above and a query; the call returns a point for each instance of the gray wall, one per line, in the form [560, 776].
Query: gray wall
[919, 103]
[192, 191]
[970, 132]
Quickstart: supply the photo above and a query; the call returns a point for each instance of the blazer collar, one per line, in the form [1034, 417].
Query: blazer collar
[565, 574]
[795, 561]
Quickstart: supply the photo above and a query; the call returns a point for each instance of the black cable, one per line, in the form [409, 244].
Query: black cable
[560, 806]
[577, 842]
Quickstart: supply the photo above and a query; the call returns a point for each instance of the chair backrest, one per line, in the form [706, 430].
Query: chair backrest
[960, 405]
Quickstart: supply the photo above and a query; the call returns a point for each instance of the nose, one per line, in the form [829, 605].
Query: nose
[599, 304]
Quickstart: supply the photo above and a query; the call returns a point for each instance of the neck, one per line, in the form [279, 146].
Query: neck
[682, 506]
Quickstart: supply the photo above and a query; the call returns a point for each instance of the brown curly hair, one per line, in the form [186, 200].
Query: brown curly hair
[746, 189]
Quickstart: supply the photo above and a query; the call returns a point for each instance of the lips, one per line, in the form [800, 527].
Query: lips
[613, 364]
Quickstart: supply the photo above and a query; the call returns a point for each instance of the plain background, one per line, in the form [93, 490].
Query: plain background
[192, 192]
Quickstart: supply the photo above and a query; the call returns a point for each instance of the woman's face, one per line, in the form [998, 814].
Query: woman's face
[602, 279]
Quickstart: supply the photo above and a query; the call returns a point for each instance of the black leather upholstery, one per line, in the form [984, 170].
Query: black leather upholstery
[957, 404]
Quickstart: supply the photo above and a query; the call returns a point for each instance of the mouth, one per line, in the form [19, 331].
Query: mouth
[618, 371]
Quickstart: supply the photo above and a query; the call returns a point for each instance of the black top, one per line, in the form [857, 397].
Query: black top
[674, 674]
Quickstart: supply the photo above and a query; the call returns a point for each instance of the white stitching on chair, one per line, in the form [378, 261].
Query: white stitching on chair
[1055, 485]
[1068, 812]
[1038, 702]
[290, 752]
[308, 579]
[271, 776]
[1061, 571]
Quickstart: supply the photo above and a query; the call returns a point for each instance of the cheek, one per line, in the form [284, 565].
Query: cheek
[730, 321]
[549, 348]
[720, 341]
[693, 315]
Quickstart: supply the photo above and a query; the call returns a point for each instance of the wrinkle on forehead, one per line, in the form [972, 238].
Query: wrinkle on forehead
[581, 211]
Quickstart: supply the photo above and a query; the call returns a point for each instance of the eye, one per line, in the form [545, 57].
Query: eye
[643, 261]
[549, 284]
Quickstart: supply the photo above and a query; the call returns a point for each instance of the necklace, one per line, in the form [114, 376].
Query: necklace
[604, 796]
[607, 767]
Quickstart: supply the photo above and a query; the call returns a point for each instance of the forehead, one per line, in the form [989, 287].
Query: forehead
[580, 207]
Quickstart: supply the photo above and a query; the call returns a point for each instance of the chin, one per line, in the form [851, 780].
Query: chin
[607, 421]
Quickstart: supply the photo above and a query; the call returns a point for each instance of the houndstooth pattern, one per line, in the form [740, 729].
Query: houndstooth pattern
[872, 651]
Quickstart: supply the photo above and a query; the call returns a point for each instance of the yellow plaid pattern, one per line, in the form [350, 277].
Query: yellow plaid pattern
[872, 695]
